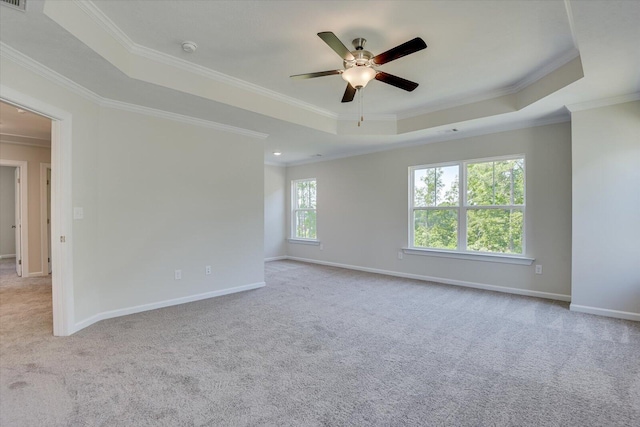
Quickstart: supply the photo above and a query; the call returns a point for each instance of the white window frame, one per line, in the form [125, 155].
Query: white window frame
[294, 209]
[462, 252]
[412, 208]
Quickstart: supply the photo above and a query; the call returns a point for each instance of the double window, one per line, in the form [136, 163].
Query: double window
[303, 202]
[473, 206]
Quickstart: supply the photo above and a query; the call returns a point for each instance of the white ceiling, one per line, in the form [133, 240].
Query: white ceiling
[23, 127]
[263, 42]
[477, 50]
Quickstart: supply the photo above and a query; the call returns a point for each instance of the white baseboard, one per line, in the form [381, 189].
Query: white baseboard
[36, 274]
[605, 312]
[7, 256]
[161, 304]
[525, 292]
[276, 258]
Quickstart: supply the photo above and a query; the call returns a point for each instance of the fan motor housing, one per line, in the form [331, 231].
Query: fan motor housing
[362, 58]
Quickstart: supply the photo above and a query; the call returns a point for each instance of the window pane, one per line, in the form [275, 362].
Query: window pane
[480, 184]
[436, 229]
[495, 183]
[312, 194]
[495, 230]
[436, 186]
[300, 202]
[306, 194]
[518, 173]
[305, 226]
[509, 182]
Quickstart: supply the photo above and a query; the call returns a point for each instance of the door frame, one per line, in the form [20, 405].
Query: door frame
[24, 217]
[45, 242]
[61, 206]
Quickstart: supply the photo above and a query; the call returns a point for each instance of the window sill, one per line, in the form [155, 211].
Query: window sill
[304, 242]
[502, 258]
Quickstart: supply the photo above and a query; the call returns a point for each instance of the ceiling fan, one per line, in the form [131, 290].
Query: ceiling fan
[360, 65]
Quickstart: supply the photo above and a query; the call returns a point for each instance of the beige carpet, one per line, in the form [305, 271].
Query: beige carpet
[322, 346]
[25, 304]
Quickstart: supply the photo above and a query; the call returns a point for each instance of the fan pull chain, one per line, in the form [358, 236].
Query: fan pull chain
[360, 106]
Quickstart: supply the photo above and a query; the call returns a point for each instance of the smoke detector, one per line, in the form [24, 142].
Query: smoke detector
[189, 47]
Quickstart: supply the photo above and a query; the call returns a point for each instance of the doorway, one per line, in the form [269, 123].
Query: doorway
[59, 243]
[13, 206]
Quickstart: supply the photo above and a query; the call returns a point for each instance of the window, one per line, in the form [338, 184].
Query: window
[303, 202]
[474, 206]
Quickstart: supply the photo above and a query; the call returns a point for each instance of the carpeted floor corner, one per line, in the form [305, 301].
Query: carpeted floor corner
[322, 346]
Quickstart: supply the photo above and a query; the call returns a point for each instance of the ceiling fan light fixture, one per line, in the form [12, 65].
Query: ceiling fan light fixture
[359, 76]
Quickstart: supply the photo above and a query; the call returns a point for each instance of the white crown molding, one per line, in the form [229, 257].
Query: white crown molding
[454, 102]
[133, 48]
[8, 138]
[21, 59]
[117, 35]
[572, 26]
[132, 108]
[547, 69]
[28, 144]
[30, 64]
[605, 102]
[105, 23]
[272, 163]
[369, 117]
[4, 135]
[523, 124]
[458, 101]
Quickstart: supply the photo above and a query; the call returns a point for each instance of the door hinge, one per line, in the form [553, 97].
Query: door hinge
[18, 180]
[19, 262]
[62, 239]
[48, 259]
[47, 182]
[47, 220]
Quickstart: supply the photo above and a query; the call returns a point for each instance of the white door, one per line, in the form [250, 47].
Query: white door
[49, 216]
[18, 225]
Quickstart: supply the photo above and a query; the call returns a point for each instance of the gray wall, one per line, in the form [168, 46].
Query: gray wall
[274, 214]
[158, 195]
[7, 211]
[363, 209]
[606, 209]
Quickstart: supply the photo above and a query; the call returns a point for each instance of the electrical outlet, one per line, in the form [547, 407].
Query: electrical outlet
[400, 254]
[207, 270]
[538, 269]
[178, 274]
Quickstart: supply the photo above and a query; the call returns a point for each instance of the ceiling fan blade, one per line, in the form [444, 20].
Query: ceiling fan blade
[349, 94]
[399, 51]
[396, 81]
[334, 43]
[318, 74]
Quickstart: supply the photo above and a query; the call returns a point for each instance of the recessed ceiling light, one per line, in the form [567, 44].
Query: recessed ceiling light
[277, 153]
[189, 47]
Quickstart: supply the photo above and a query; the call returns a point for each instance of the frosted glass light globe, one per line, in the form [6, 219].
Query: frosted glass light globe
[359, 76]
